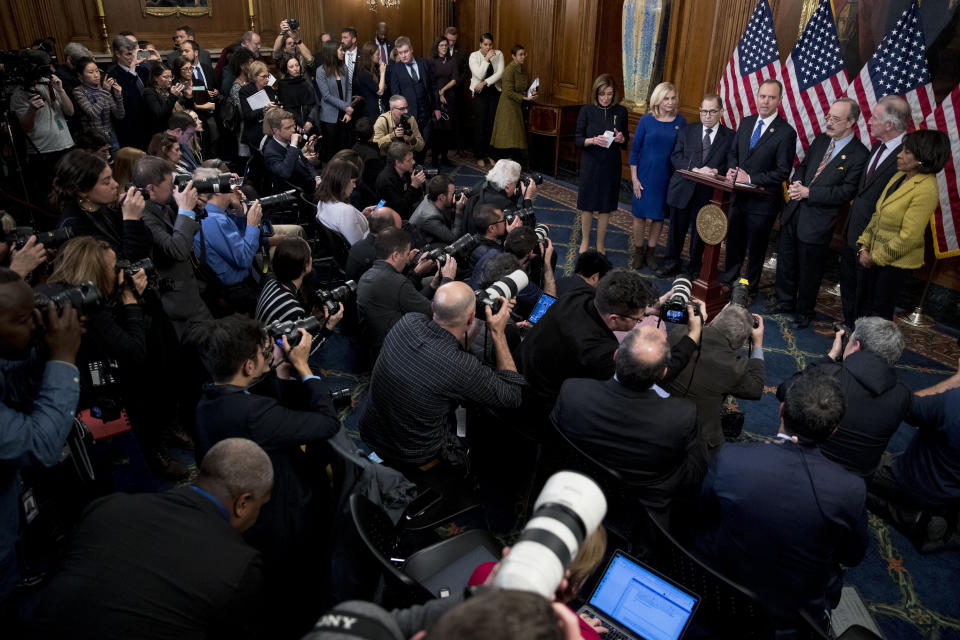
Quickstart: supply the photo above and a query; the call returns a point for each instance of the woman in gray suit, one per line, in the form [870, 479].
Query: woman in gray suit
[335, 97]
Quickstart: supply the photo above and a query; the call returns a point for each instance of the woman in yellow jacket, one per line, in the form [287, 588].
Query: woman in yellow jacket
[892, 244]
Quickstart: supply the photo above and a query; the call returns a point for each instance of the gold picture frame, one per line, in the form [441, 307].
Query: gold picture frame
[149, 8]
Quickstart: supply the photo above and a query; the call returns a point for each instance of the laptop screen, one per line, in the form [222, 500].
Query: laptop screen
[643, 602]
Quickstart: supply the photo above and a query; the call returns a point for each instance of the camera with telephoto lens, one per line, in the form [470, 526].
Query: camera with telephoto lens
[674, 309]
[223, 183]
[463, 245]
[154, 281]
[740, 296]
[543, 232]
[427, 172]
[293, 24]
[461, 191]
[342, 397]
[331, 298]
[49, 239]
[405, 124]
[503, 289]
[85, 298]
[525, 214]
[278, 200]
[568, 510]
[526, 178]
[291, 330]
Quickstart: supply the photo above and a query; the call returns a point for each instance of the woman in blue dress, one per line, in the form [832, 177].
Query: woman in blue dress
[650, 171]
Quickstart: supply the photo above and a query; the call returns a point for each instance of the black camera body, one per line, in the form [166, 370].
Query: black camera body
[526, 178]
[464, 244]
[405, 124]
[49, 239]
[459, 191]
[291, 330]
[332, 297]
[740, 296]
[85, 298]
[674, 309]
[847, 332]
[525, 214]
[294, 24]
[427, 172]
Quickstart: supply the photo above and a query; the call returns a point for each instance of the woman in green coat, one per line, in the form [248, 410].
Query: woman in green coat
[509, 135]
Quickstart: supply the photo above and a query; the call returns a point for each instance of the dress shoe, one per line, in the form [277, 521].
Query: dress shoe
[802, 322]
[637, 257]
[669, 268]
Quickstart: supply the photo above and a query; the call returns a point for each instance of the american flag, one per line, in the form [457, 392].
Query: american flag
[755, 59]
[813, 77]
[898, 67]
[945, 223]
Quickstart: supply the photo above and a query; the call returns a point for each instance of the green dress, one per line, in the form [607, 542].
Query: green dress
[508, 132]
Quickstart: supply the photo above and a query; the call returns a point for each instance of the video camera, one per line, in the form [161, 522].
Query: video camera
[291, 330]
[25, 68]
[463, 245]
[740, 296]
[49, 239]
[85, 298]
[331, 298]
[503, 289]
[525, 214]
[674, 309]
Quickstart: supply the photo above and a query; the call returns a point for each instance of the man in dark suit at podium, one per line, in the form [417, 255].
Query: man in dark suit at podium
[822, 183]
[762, 155]
[412, 78]
[888, 122]
[702, 148]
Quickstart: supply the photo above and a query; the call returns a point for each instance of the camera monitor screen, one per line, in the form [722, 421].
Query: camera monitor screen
[541, 307]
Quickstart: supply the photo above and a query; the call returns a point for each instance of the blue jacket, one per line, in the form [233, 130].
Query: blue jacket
[37, 404]
[929, 470]
[229, 253]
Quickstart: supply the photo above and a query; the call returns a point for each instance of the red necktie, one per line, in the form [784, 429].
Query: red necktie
[876, 159]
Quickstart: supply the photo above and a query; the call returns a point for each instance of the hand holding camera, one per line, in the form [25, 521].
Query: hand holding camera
[840, 338]
[133, 204]
[334, 318]
[63, 333]
[254, 214]
[756, 335]
[187, 197]
[296, 357]
[417, 178]
[29, 257]
[497, 322]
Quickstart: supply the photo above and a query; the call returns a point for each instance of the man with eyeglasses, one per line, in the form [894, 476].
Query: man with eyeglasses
[702, 148]
[490, 227]
[825, 180]
[238, 354]
[576, 337]
[389, 127]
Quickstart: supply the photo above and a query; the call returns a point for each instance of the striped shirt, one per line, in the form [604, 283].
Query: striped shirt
[277, 303]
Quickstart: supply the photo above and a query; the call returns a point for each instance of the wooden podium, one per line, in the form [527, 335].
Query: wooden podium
[707, 287]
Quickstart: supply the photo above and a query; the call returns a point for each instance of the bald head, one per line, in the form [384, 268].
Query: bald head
[238, 466]
[642, 358]
[384, 218]
[453, 304]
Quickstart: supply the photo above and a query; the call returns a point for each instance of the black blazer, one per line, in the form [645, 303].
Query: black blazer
[768, 163]
[868, 192]
[687, 152]
[402, 84]
[832, 189]
[779, 519]
[653, 441]
[290, 164]
[154, 565]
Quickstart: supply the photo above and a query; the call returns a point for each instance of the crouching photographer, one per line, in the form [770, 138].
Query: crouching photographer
[39, 391]
[534, 253]
[718, 368]
[23, 250]
[506, 188]
[116, 374]
[173, 240]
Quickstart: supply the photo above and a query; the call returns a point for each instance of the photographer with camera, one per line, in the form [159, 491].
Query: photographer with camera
[590, 267]
[439, 213]
[397, 125]
[42, 108]
[282, 298]
[526, 246]
[85, 193]
[423, 373]
[292, 527]
[39, 391]
[575, 338]
[864, 363]
[282, 156]
[400, 184]
[21, 248]
[173, 240]
[490, 227]
[386, 292]
[718, 368]
[506, 188]
[289, 44]
[222, 247]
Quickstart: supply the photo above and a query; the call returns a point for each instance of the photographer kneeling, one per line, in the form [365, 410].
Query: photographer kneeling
[292, 527]
[173, 240]
[423, 374]
[505, 188]
[39, 390]
[438, 215]
[526, 246]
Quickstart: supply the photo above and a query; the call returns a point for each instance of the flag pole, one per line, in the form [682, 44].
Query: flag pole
[917, 318]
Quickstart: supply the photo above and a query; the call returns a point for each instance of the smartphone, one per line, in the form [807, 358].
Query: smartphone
[143, 54]
[541, 307]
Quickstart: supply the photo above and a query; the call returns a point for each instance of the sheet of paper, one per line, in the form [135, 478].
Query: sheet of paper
[608, 138]
[271, 81]
[258, 100]
[535, 85]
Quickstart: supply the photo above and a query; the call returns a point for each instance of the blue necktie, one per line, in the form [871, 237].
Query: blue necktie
[756, 133]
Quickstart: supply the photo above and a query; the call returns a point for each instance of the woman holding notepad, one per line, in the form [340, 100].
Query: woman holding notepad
[252, 105]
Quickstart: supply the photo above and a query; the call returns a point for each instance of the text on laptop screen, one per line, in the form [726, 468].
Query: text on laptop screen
[642, 602]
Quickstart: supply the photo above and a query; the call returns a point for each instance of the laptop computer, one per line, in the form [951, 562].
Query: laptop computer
[637, 603]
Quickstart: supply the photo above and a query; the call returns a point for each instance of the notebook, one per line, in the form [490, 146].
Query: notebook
[637, 603]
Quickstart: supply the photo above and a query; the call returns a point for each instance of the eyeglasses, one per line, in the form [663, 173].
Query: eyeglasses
[399, 108]
[709, 112]
[636, 320]
[834, 119]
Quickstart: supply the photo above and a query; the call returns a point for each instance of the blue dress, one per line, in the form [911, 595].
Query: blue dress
[650, 152]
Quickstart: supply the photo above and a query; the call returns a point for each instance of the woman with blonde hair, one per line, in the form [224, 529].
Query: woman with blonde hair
[600, 127]
[650, 171]
[257, 78]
